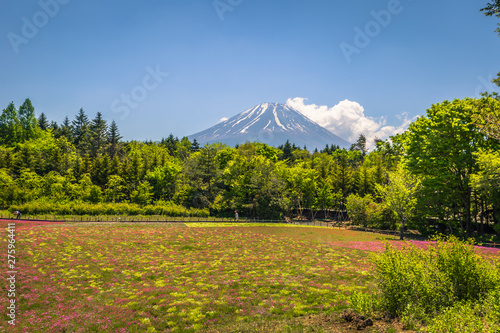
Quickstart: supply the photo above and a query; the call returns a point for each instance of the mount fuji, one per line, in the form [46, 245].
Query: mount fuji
[273, 124]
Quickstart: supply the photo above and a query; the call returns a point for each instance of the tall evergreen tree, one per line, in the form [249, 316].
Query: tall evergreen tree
[10, 129]
[170, 143]
[81, 132]
[98, 134]
[195, 146]
[43, 123]
[66, 129]
[113, 139]
[54, 127]
[28, 121]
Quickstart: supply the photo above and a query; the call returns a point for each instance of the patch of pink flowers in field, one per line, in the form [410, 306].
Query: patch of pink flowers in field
[379, 246]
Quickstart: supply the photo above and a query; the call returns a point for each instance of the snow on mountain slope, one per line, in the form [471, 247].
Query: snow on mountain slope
[270, 123]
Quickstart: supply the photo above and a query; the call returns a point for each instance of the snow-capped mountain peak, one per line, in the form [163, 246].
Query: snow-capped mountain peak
[270, 123]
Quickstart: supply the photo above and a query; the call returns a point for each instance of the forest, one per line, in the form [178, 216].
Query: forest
[442, 173]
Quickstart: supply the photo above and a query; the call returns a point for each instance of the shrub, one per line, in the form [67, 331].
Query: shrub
[357, 208]
[368, 213]
[438, 285]
[469, 317]
[85, 208]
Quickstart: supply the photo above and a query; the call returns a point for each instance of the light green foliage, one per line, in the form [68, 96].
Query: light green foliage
[487, 180]
[143, 195]
[302, 185]
[488, 117]
[364, 303]
[366, 212]
[114, 188]
[469, 317]
[162, 179]
[357, 208]
[418, 284]
[399, 194]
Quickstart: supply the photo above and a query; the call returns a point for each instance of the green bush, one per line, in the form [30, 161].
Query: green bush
[364, 211]
[85, 208]
[434, 286]
[410, 280]
[357, 208]
[469, 317]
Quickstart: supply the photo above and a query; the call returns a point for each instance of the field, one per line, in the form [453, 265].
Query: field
[80, 277]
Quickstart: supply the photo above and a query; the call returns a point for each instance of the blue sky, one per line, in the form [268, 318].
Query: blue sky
[179, 66]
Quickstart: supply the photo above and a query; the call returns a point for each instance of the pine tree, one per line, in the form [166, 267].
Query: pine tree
[98, 134]
[66, 130]
[54, 127]
[27, 120]
[10, 128]
[195, 146]
[170, 143]
[113, 139]
[287, 151]
[43, 123]
[81, 132]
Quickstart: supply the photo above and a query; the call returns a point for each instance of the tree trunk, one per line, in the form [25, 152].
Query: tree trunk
[401, 229]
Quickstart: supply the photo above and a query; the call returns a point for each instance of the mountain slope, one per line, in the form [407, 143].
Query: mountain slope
[273, 124]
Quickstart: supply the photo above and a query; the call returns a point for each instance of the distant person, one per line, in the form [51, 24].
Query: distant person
[236, 216]
[17, 214]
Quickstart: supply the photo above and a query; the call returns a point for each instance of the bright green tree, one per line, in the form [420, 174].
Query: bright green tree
[440, 148]
[400, 195]
[487, 180]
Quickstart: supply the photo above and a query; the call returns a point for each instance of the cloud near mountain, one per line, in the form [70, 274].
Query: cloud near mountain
[348, 120]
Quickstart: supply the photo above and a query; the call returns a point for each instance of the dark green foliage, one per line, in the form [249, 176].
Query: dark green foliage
[43, 123]
[98, 135]
[493, 9]
[81, 132]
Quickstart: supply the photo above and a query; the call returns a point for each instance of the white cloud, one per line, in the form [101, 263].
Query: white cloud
[347, 120]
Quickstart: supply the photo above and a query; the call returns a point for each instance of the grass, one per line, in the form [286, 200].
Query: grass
[134, 278]
[206, 277]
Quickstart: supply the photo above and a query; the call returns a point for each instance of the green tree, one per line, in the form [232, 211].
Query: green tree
[114, 138]
[65, 130]
[400, 195]
[488, 117]
[440, 148]
[301, 185]
[81, 132]
[98, 134]
[360, 145]
[163, 179]
[10, 127]
[43, 123]
[493, 9]
[487, 180]
[203, 176]
[27, 120]
[115, 188]
[143, 195]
